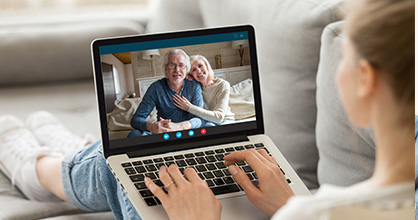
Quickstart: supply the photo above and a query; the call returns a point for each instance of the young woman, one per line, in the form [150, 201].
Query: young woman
[215, 93]
[376, 84]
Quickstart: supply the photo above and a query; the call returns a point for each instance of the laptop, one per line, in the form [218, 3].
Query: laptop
[123, 64]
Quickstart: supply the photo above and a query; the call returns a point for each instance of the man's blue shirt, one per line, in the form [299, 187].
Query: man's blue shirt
[160, 95]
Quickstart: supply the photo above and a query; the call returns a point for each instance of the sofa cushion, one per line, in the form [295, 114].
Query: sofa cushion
[50, 52]
[343, 148]
[288, 37]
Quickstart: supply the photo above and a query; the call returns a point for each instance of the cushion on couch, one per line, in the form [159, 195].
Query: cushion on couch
[288, 35]
[336, 137]
[49, 52]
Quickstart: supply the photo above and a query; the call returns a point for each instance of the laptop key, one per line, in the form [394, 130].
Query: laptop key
[220, 165]
[227, 173]
[159, 183]
[150, 201]
[137, 178]
[199, 154]
[140, 186]
[211, 167]
[191, 161]
[189, 155]
[151, 168]
[218, 173]
[220, 157]
[218, 182]
[288, 181]
[259, 145]
[209, 152]
[250, 176]
[126, 164]
[145, 193]
[228, 180]
[201, 168]
[255, 182]
[225, 189]
[247, 169]
[178, 157]
[249, 146]
[159, 165]
[282, 171]
[242, 163]
[147, 161]
[218, 151]
[208, 175]
[181, 163]
[137, 163]
[140, 169]
[239, 148]
[201, 160]
[169, 158]
[229, 149]
[130, 171]
[158, 160]
[210, 183]
[211, 159]
[167, 164]
[151, 176]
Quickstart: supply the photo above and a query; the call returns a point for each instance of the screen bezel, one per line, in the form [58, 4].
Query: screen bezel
[173, 145]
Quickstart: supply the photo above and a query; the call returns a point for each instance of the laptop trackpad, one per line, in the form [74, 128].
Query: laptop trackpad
[240, 206]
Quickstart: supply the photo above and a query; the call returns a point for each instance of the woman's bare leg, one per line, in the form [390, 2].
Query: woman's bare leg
[48, 170]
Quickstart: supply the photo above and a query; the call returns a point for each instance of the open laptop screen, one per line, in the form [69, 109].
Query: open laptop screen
[136, 81]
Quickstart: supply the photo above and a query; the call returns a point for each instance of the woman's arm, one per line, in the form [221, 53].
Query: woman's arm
[216, 111]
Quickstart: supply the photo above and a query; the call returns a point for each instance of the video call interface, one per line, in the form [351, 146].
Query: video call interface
[157, 91]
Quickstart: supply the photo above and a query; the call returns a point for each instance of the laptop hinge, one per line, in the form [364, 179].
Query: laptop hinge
[186, 146]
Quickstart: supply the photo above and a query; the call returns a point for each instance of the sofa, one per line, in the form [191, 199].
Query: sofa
[47, 66]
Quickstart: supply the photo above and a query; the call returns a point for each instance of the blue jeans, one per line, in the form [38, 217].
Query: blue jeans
[90, 185]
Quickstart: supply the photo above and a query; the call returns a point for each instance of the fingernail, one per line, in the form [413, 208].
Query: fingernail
[233, 170]
[146, 180]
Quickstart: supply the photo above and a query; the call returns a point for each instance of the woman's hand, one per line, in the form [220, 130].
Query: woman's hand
[189, 77]
[272, 192]
[181, 102]
[186, 199]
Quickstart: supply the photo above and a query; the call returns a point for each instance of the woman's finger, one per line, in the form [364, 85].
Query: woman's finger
[250, 156]
[191, 175]
[267, 156]
[175, 174]
[166, 178]
[156, 190]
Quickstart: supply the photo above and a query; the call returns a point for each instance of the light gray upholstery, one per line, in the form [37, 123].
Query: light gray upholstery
[51, 52]
[346, 152]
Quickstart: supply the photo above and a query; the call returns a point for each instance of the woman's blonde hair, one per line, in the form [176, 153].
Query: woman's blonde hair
[202, 58]
[382, 32]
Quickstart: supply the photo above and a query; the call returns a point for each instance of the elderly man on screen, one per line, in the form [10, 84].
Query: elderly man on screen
[160, 95]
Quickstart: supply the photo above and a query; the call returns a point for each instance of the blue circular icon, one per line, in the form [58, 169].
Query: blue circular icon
[166, 136]
[191, 133]
[178, 134]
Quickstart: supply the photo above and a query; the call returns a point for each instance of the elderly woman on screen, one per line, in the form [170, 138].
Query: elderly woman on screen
[215, 93]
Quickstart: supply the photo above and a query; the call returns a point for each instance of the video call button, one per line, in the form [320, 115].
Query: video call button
[203, 131]
[178, 134]
[191, 133]
[166, 136]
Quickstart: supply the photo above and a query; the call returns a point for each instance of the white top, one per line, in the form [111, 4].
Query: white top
[216, 98]
[338, 203]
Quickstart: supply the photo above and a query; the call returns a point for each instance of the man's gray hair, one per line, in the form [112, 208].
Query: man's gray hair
[173, 51]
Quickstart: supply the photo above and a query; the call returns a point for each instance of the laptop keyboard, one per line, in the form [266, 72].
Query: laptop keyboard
[208, 164]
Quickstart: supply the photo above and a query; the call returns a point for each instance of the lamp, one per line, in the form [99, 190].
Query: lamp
[151, 55]
[240, 45]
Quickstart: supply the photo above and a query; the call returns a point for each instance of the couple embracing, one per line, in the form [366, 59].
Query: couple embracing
[188, 97]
